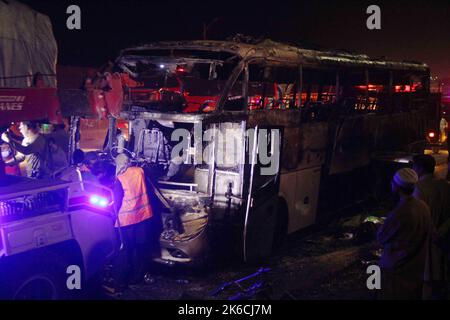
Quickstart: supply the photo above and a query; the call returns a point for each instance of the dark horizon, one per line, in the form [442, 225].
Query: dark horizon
[411, 30]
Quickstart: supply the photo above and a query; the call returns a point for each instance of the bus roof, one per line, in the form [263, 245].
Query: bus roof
[277, 52]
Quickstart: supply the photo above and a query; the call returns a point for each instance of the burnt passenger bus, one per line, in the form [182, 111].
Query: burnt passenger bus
[269, 133]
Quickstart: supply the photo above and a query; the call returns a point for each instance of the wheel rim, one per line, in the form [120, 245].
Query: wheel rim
[38, 288]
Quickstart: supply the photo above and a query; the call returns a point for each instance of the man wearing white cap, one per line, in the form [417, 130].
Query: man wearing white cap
[404, 237]
[133, 214]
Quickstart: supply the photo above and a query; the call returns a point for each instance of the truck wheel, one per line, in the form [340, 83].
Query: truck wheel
[41, 277]
[38, 287]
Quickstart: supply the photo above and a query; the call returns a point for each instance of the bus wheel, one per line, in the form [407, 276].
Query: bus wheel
[281, 224]
[261, 230]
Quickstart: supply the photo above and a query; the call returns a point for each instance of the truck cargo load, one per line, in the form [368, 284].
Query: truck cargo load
[27, 46]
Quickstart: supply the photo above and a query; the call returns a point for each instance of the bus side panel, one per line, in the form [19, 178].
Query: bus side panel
[357, 138]
[352, 144]
[303, 198]
[313, 144]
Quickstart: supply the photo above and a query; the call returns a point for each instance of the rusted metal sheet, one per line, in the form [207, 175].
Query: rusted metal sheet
[304, 144]
[285, 118]
[29, 104]
[357, 139]
[281, 52]
[192, 210]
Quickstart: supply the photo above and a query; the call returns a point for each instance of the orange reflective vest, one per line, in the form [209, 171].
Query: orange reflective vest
[135, 204]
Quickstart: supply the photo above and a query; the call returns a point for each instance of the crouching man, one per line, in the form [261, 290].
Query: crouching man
[404, 237]
[134, 216]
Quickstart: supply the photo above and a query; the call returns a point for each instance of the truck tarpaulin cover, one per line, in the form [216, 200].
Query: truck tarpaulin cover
[27, 46]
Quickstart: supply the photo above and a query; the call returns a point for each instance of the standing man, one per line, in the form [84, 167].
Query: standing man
[404, 237]
[59, 158]
[134, 212]
[61, 137]
[33, 149]
[443, 127]
[436, 194]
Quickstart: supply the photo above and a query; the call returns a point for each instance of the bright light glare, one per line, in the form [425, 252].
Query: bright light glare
[401, 160]
[103, 203]
[161, 66]
[94, 200]
[98, 201]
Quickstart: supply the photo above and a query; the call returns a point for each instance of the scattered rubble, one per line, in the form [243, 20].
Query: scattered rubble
[305, 268]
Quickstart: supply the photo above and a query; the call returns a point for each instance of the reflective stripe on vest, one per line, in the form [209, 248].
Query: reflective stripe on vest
[135, 204]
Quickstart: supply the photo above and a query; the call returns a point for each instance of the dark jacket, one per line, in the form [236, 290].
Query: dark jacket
[405, 236]
[436, 194]
[37, 156]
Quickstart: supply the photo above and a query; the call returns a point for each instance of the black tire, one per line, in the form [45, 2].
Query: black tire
[261, 232]
[281, 224]
[40, 276]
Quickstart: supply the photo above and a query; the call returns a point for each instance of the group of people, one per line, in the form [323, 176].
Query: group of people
[415, 235]
[46, 154]
[43, 154]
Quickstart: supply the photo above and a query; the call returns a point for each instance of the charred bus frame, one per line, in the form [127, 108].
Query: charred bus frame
[336, 112]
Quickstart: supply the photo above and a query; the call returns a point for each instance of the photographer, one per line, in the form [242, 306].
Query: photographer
[33, 149]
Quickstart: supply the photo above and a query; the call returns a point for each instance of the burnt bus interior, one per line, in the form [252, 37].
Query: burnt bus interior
[204, 186]
[335, 112]
[176, 80]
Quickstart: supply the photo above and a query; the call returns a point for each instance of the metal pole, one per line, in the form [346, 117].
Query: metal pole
[337, 86]
[111, 132]
[390, 92]
[73, 136]
[366, 76]
[249, 198]
[119, 229]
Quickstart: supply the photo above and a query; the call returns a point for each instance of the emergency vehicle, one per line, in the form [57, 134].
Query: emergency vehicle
[49, 229]
[47, 236]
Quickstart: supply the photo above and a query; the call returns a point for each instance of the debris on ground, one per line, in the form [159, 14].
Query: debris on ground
[149, 279]
[348, 236]
[329, 263]
[182, 281]
[374, 220]
[361, 228]
[257, 288]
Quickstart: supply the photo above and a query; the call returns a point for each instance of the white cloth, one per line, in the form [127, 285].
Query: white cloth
[122, 163]
[406, 178]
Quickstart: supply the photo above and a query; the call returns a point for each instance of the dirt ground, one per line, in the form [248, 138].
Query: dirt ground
[315, 265]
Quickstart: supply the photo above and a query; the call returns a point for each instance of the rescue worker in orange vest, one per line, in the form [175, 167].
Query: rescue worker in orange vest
[134, 215]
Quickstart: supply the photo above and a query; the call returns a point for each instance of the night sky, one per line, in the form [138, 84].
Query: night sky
[411, 30]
